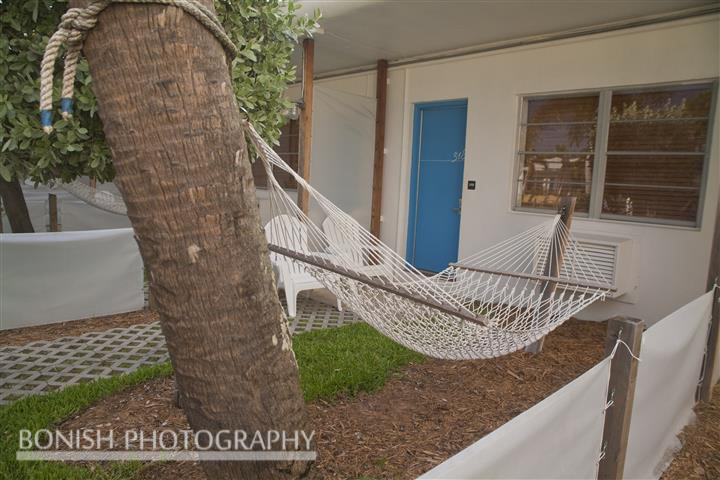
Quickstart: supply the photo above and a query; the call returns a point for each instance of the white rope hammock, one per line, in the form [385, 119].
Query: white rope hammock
[492, 303]
[101, 199]
[495, 303]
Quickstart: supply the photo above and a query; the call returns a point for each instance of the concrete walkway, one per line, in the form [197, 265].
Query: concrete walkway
[44, 366]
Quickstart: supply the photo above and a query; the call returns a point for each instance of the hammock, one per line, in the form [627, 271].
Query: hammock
[490, 304]
[101, 199]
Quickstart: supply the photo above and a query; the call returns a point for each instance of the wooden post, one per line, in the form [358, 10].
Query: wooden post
[566, 209]
[52, 207]
[711, 353]
[378, 163]
[713, 345]
[621, 389]
[1, 213]
[306, 120]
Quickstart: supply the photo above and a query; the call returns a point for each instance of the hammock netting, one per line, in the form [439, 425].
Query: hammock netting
[489, 304]
[458, 313]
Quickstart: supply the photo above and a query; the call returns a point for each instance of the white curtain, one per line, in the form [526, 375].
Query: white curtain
[559, 437]
[671, 358]
[56, 277]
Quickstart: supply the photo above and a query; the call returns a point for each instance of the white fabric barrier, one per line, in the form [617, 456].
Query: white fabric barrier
[56, 277]
[559, 437]
[73, 213]
[671, 359]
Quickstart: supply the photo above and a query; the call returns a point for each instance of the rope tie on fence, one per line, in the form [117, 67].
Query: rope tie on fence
[72, 31]
[618, 342]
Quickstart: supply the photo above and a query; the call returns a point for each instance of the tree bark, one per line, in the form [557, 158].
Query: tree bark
[170, 118]
[15, 207]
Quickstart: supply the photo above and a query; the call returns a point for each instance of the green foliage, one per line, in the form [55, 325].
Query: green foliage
[332, 362]
[265, 33]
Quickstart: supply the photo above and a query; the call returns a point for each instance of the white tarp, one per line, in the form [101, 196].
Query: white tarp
[56, 277]
[559, 437]
[671, 358]
[342, 152]
[73, 213]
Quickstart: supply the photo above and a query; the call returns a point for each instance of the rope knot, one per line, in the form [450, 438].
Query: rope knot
[74, 26]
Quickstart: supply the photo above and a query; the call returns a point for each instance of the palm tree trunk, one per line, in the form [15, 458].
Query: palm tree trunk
[15, 207]
[170, 118]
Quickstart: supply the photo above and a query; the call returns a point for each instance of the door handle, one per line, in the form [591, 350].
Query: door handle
[457, 210]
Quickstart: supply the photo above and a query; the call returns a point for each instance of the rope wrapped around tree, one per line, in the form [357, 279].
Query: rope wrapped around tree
[73, 28]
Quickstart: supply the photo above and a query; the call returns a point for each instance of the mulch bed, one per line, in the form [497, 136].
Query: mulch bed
[21, 336]
[700, 456]
[424, 413]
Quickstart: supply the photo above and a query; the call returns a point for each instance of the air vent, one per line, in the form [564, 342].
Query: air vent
[611, 255]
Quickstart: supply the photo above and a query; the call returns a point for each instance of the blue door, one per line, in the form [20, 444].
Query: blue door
[436, 184]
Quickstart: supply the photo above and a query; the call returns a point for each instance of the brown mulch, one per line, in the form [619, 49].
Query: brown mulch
[21, 336]
[700, 456]
[422, 415]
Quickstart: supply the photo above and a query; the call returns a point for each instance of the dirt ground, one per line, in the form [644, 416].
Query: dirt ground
[21, 336]
[699, 459]
[424, 413]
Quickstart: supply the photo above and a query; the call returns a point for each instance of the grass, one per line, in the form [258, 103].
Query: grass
[332, 362]
[347, 360]
[43, 411]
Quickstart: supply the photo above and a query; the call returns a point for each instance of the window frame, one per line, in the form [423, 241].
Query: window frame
[597, 185]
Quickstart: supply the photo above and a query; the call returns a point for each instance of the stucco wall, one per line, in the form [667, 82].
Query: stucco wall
[671, 263]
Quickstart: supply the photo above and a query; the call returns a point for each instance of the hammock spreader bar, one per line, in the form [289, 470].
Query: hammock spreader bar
[542, 278]
[377, 283]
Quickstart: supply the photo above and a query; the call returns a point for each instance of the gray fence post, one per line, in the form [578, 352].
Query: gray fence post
[621, 388]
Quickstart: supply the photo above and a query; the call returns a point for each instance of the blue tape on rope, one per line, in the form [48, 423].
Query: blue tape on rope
[66, 105]
[46, 118]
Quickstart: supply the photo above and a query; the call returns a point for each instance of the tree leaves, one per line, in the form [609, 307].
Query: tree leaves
[264, 31]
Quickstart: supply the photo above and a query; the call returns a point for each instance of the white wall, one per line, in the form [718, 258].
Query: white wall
[671, 262]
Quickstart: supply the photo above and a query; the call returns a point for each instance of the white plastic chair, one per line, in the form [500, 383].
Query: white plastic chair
[288, 232]
[343, 244]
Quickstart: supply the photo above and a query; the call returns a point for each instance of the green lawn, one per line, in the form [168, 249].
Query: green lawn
[340, 361]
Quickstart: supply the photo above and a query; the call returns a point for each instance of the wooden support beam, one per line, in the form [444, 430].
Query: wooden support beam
[713, 346]
[621, 389]
[53, 211]
[306, 121]
[712, 351]
[566, 209]
[379, 161]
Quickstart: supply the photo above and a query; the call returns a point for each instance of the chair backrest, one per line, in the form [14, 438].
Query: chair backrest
[344, 243]
[288, 232]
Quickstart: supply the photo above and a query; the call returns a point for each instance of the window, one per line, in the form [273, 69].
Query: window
[288, 151]
[626, 154]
